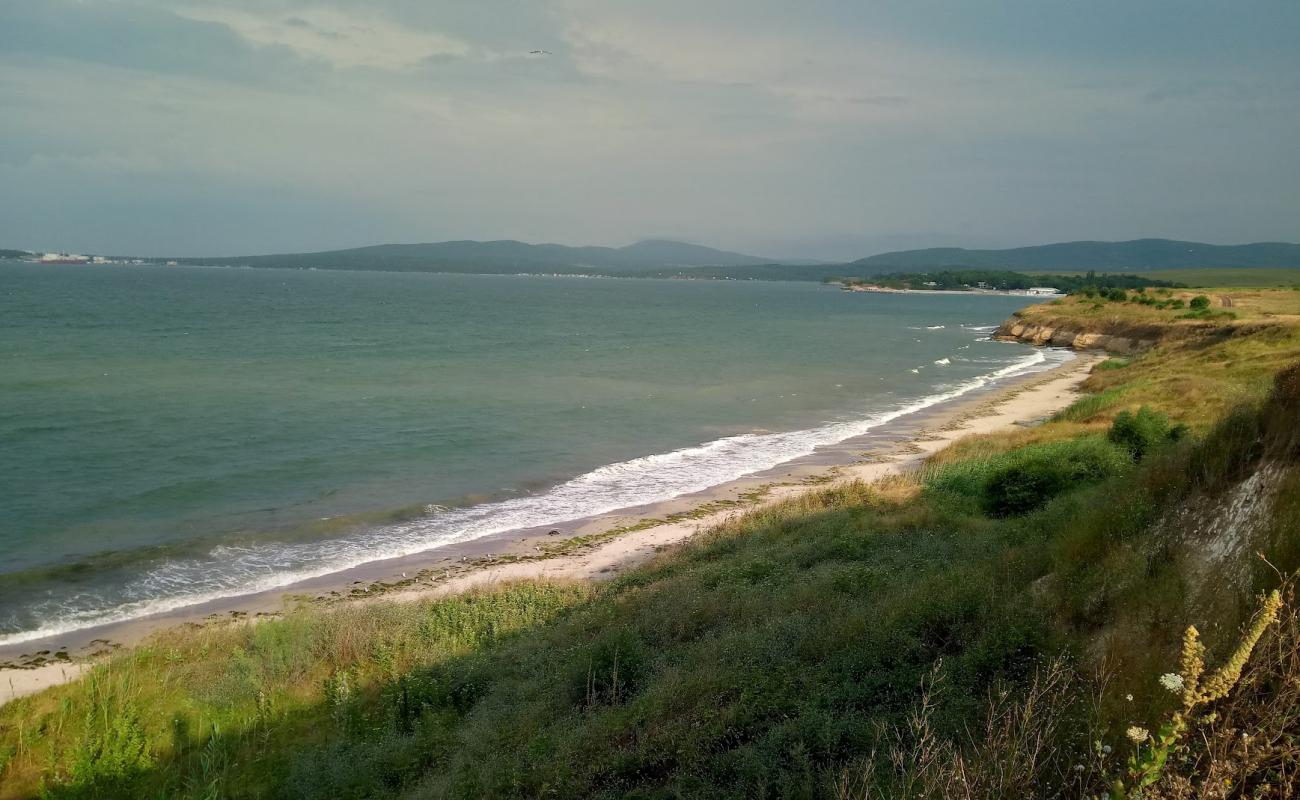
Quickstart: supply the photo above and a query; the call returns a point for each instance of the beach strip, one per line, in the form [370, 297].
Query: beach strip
[593, 549]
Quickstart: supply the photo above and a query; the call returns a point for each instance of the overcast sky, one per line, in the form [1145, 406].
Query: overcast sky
[819, 128]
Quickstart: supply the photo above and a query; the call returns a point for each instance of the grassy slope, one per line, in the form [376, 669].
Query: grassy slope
[1209, 364]
[766, 658]
[1236, 277]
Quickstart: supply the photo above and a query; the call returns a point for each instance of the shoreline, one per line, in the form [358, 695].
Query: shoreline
[594, 548]
[862, 289]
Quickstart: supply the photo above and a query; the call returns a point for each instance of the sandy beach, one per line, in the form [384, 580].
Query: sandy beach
[595, 548]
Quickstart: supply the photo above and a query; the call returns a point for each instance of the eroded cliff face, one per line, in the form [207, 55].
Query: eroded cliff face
[1219, 534]
[1048, 335]
[1226, 535]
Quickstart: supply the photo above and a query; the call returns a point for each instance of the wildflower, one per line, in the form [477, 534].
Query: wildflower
[1106, 749]
[1222, 681]
[1128, 697]
[1172, 682]
[1078, 768]
[1138, 735]
[1193, 665]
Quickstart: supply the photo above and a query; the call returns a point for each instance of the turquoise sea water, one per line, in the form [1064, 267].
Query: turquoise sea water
[169, 435]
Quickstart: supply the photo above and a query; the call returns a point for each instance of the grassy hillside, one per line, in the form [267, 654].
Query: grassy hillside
[989, 627]
[1139, 255]
[1238, 277]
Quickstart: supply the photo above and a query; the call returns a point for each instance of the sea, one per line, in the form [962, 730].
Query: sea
[174, 435]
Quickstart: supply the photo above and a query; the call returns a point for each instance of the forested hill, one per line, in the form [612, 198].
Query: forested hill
[502, 256]
[1134, 256]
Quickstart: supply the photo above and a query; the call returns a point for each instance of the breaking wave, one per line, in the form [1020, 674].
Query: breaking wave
[229, 570]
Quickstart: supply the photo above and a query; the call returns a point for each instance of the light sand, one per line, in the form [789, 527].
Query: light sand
[1031, 403]
[18, 682]
[492, 560]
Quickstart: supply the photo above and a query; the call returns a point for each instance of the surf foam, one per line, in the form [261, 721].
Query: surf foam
[231, 571]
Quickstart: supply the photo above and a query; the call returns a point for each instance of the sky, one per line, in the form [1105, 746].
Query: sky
[826, 129]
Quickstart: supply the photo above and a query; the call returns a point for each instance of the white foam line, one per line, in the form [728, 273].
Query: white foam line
[229, 569]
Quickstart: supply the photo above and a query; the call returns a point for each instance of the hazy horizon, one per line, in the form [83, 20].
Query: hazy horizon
[832, 131]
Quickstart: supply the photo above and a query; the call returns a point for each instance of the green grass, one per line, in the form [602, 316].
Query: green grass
[1235, 278]
[768, 657]
[1239, 278]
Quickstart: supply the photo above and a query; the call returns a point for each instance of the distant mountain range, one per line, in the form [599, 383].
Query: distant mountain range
[504, 255]
[1139, 255]
[665, 258]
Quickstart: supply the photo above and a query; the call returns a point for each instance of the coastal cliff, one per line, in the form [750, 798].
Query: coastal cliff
[1047, 334]
[1139, 321]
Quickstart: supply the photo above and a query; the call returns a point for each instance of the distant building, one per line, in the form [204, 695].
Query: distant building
[1041, 290]
[63, 258]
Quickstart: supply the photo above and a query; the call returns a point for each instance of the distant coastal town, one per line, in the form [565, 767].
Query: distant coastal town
[72, 258]
[933, 287]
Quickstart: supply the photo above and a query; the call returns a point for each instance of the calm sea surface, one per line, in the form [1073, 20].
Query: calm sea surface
[169, 435]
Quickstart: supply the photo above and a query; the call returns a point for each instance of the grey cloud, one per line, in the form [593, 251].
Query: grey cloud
[753, 124]
[883, 101]
[137, 37]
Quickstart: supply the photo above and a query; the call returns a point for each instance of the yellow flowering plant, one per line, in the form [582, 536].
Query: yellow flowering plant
[1151, 751]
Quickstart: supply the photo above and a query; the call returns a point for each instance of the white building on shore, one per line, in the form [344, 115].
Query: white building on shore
[63, 258]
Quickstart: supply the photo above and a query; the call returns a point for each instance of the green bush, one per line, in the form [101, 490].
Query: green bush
[1020, 481]
[1143, 432]
[1208, 314]
[1200, 301]
[1117, 295]
[1113, 363]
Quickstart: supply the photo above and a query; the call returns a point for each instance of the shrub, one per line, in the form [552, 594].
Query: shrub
[114, 748]
[1200, 301]
[1022, 487]
[1020, 481]
[1142, 432]
[1117, 295]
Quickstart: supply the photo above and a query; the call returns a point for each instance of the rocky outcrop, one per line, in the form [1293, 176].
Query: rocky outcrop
[1015, 330]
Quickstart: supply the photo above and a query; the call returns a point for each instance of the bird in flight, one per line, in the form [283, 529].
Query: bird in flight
[539, 52]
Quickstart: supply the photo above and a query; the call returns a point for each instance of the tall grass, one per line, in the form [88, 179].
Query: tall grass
[227, 706]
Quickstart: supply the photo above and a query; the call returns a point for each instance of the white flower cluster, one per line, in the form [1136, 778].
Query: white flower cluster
[1172, 682]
